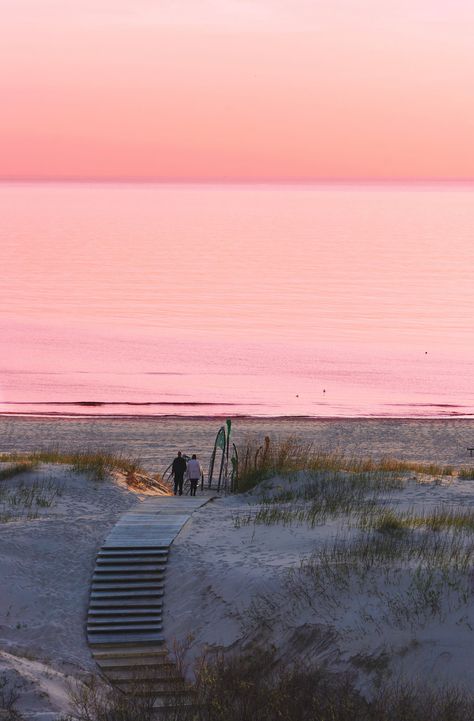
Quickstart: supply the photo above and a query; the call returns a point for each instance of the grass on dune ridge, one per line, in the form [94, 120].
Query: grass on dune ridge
[411, 564]
[15, 469]
[98, 463]
[258, 462]
[256, 684]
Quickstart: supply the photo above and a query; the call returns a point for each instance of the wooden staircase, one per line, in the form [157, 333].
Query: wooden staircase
[125, 616]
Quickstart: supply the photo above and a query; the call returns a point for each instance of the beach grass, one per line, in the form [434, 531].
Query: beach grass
[439, 519]
[16, 469]
[258, 462]
[410, 564]
[97, 464]
[24, 501]
[258, 684]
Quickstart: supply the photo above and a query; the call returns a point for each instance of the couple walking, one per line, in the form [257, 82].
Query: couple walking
[192, 469]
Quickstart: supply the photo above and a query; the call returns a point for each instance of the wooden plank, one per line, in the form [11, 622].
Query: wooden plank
[144, 660]
[125, 602]
[137, 560]
[136, 577]
[153, 625]
[142, 593]
[141, 588]
[129, 652]
[123, 621]
[129, 568]
[123, 612]
[146, 639]
[133, 555]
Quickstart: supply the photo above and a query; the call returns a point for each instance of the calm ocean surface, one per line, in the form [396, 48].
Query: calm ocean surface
[321, 301]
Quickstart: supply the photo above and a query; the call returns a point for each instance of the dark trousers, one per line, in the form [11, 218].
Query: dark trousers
[178, 485]
[194, 483]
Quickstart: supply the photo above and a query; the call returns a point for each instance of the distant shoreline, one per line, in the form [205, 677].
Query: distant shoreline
[233, 416]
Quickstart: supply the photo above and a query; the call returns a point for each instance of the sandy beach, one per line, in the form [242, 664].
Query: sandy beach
[48, 551]
[154, 441]
[233, 580]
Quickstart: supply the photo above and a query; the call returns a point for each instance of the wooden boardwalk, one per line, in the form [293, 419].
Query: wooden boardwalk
[125, 622]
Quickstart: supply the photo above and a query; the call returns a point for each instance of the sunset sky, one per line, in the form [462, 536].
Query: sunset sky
[237, 89]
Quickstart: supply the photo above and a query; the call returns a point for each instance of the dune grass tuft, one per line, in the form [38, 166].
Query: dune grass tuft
[258, 462]
[16, 469]
[97, 464]
[256, 684]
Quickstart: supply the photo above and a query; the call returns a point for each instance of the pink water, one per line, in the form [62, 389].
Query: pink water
[259, 300]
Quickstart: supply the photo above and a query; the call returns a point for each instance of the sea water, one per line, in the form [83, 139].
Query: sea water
[242, 300]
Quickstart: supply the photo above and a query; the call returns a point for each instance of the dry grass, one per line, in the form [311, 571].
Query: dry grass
[443, 518]
[14, 470]
[261, 461]
[9, 696]
[466, 474]
[97, 464]
[255, 685]
[23, 501]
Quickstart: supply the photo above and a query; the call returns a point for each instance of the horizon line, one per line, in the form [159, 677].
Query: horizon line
[232, 181]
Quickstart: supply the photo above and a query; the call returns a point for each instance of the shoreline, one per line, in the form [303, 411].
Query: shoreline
[155, 440]
[233, 416]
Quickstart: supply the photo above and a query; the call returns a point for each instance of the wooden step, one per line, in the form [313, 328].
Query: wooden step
[148, 677]
[129, 568]
[121, 621]
[110, 546]
[131, 581]
[127, 552]
[138, 561]
[109, 574]
[147, 541]
[131, 593]
[152, 690]
[152, 626]
[126, 603]
[118, 612]
[134, 581]
[145, 661]
[130, 653]
[135, 617]
[137, 577]
[119, 639]
[151, 673]
[128, 586]
[155, 592]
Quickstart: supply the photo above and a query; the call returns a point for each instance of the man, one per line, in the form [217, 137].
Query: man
[195, 473]
[178, 469]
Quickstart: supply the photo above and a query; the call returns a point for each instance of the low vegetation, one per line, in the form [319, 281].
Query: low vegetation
[258, 462]
[97, 464]
[255, 685]
[15, 469]
[386, 565]
[443, 518]
[9, 695]
[24, 501]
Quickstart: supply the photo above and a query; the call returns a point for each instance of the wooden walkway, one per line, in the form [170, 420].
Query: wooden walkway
[125, 623]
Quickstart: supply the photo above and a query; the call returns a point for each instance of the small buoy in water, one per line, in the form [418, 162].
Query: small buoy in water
[324, 390]
[297, 395]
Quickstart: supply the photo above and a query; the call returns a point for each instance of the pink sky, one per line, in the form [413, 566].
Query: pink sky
[237, 89]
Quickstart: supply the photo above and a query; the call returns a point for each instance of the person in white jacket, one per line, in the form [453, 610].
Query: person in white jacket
[195, 473]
